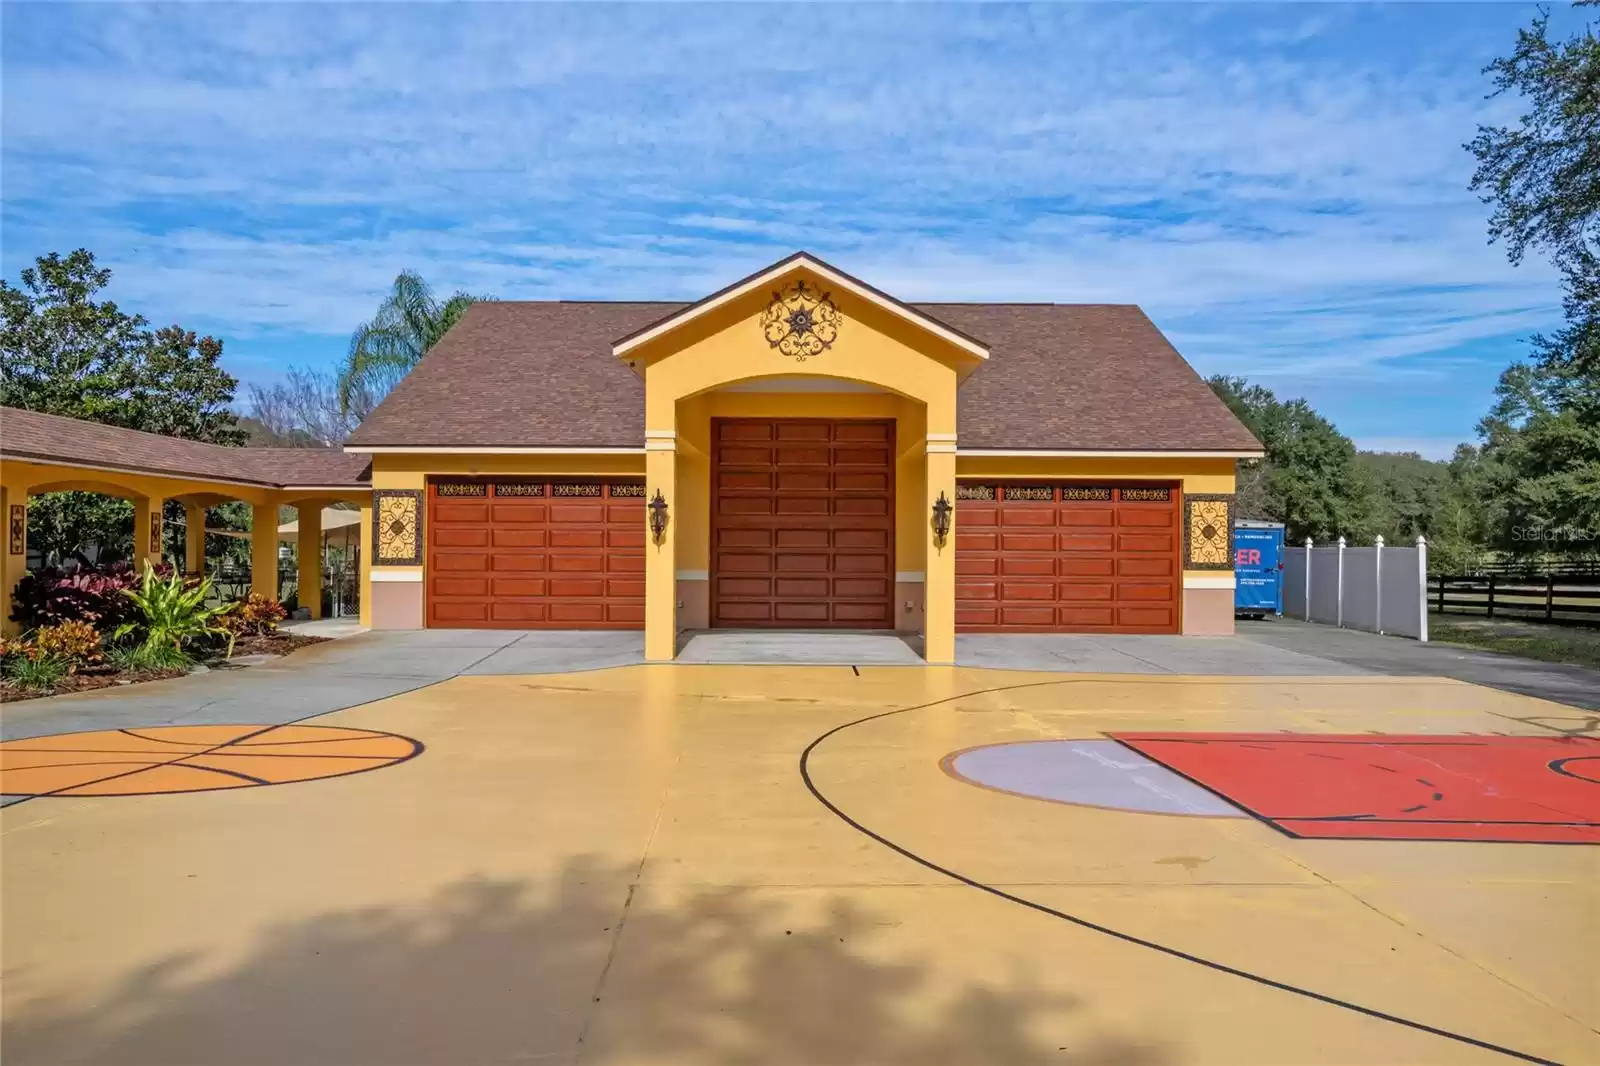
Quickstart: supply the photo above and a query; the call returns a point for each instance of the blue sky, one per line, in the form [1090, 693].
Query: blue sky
[1282, 188]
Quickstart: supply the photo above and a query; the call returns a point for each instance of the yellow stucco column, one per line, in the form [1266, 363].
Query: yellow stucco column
[364, 559]
[939, 590]
[660, 558]
[13, 564]
[146, 531]
[194, 539]
[308, 555]
[264, 548]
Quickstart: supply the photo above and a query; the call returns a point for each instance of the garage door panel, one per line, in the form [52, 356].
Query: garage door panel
[801, 588]
[518, 586]
[1027, 542]
[460, 586]
[544, 561]
[459, 560]
[519, 562]
[1030, 560]
[818, 504]
[460, 511]
[1091, 543]
[1165, 543]
[577, 538]
[459, 611]
[515, 538]
[461, 538]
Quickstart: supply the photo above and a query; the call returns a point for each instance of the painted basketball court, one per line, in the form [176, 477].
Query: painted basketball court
[717, 864]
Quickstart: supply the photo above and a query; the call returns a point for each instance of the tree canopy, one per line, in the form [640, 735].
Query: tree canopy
[408, 323]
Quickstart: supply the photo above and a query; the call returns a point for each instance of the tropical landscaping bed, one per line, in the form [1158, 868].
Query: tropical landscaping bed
[96, 628]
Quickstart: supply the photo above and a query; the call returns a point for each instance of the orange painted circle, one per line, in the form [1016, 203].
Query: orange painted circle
[192, 758]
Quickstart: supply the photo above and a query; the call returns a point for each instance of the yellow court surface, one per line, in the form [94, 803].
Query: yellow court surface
[818, 865]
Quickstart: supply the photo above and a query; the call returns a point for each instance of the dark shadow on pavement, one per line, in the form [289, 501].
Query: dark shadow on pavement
[500, 972]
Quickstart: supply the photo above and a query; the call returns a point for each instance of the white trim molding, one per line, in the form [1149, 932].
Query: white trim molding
[1091, 453]
[941, 447]
[693, 575]
[822, 270]
[1209, 581]
[389, 449]
[909, 577]
[411, 576]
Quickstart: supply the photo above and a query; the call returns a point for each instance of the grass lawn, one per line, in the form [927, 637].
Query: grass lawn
[1555, 644]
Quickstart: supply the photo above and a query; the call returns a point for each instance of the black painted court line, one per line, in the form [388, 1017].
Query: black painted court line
[1084, 923]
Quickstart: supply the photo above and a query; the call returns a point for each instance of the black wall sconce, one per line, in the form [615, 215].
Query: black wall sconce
[658, 516]
[941, 518]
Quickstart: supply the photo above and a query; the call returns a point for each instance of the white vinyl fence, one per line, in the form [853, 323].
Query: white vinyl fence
[1378, 589]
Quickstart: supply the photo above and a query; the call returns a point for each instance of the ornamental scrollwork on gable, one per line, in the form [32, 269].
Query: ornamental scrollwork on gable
[397, 527]
[1208, 532]
[801, 321]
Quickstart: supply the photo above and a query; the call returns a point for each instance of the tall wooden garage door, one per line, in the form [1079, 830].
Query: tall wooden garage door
[535, 555]
[1067, 558]
[802, 524]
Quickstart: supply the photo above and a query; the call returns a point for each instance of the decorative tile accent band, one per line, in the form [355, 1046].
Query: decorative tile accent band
[974, 492]
[1208, 531]
[627, 492]
[1145, 495]
[19, 528]
[1091, 493]
[461, 488]
[571, 489]
[397, 527]
[519, 488]
[1047, 493]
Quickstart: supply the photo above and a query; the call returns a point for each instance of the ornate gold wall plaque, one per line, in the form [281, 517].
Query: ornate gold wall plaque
[801, 321]
[974, 492]
[1142, 495]
[155, 533]
[19, 528]
[397, 527]
[1208, 532]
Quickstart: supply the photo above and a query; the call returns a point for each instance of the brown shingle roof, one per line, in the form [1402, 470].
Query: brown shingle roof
[1059, 376]
[30, 435]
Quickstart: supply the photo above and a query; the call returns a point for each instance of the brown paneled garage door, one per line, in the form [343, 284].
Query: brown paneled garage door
[1067, 558]
[802, 524]
[528, 554]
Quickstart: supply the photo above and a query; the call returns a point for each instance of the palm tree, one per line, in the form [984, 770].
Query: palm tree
[408, 323]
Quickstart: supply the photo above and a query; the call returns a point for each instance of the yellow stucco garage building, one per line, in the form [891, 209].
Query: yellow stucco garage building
[799, 450]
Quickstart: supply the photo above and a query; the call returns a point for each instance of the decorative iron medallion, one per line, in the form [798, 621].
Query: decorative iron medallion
[1208, 532]
[397, 527]
[1147, 495]
[801, 322]
[19, 528]
[974, 492]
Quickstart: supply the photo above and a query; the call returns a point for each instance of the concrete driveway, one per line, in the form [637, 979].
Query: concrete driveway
[743, 864]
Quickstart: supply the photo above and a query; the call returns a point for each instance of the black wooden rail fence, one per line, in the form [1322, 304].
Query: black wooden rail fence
[1562, 599]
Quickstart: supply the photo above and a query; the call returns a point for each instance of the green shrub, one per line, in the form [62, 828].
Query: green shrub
[36, 673]
[174, 612]
[255, 615]
[149, 657]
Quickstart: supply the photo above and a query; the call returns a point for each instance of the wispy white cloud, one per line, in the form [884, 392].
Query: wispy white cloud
[1283, 189]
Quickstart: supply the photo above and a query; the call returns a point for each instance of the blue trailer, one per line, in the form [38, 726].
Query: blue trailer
[1257, 568]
